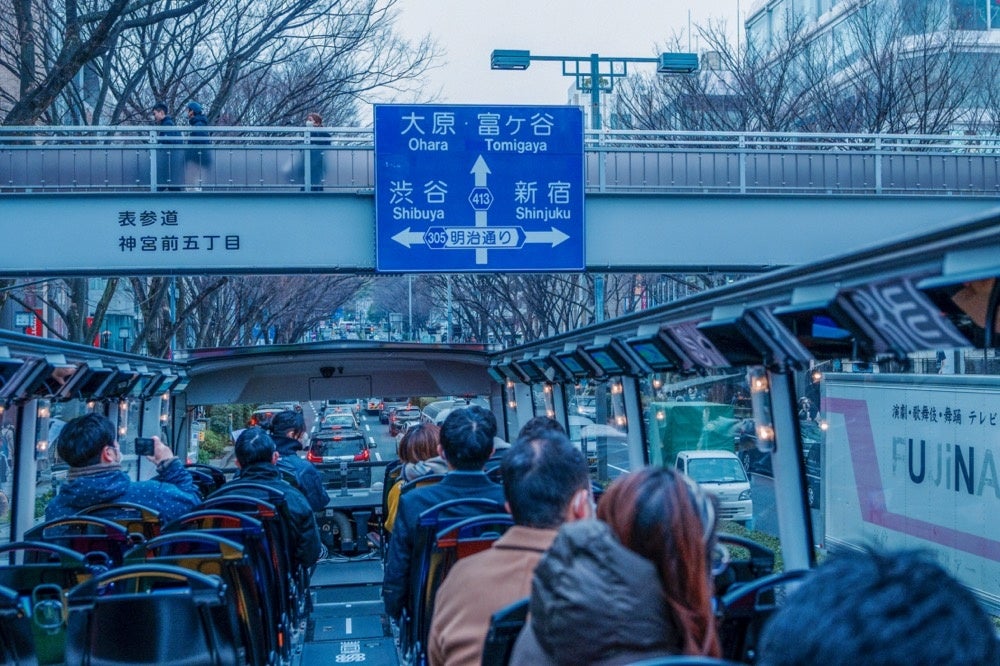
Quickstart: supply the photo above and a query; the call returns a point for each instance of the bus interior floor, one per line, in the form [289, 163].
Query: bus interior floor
[348, 623]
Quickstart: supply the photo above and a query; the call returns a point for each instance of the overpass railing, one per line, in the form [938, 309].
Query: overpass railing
[341, 160]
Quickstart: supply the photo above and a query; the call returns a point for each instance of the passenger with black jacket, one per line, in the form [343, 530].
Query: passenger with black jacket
[466, 444]
[287, 429]
[257, 457]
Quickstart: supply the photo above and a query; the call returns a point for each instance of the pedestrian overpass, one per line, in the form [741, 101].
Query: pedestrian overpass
[117, 200]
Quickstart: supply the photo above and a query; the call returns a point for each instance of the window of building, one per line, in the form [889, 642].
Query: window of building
[971, 14]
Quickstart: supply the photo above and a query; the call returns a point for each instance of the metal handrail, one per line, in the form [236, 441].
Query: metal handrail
[49, 159]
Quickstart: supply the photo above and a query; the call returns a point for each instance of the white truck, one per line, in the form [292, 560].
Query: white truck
[912, 462]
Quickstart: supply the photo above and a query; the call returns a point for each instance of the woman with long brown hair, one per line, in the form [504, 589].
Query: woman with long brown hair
[418, 450]
[635, 583]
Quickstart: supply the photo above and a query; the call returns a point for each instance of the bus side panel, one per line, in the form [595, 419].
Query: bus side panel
[911, 461]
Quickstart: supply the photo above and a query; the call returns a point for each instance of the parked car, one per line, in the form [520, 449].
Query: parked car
[401, 416]
[347, 445]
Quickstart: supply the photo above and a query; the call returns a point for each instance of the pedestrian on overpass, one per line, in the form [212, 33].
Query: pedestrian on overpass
[198, 156]
[317, 162]
[167, 170]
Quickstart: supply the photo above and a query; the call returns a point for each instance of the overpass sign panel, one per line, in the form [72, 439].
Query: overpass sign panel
[479, 188]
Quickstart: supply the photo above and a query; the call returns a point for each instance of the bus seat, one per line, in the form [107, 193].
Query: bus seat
[413, 625]
[16, 642]
[744, 609]
[142, 597]
[758, 562]
[389, 479]
[420, 482]
[86, 535]
[208, 478]
[472, 535]
[268, 506]
[505, 625]
[210, 554]
[41, 581]
[251, 534]
[135, 518]
[460, 539]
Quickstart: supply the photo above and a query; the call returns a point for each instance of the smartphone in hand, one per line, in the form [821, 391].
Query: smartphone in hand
[144, 446]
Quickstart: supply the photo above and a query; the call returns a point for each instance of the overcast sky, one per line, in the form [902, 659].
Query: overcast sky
[468, 30]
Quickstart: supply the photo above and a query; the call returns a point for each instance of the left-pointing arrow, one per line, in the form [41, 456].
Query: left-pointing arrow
[408, 238]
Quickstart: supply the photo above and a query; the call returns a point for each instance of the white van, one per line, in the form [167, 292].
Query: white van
[721, 473]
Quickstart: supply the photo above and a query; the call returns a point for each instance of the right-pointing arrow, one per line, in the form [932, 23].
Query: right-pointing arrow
[408, 238]
[554, 236]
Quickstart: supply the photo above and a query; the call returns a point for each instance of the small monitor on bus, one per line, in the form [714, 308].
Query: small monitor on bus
[37, 378]
[614, 358]
[529, 372]
[123, 381]
[824, 331]
[86, 382]
[655, 348]
[579, 364]
[8, 368]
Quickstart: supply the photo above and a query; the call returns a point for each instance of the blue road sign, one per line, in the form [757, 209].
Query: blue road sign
[478, 188]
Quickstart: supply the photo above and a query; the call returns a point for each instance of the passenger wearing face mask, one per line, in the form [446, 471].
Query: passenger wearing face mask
[88, 444]
[288, 429]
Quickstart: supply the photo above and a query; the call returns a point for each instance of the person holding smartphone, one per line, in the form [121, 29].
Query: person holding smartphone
[88, 444]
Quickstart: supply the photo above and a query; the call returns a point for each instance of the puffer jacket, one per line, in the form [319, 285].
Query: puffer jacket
[171, 492]
[593, 601]
[307, 477]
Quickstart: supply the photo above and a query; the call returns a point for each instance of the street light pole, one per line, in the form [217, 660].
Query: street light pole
[595, 91]
[575, 66]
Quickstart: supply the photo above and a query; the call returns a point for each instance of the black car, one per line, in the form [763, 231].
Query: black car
[338, 446]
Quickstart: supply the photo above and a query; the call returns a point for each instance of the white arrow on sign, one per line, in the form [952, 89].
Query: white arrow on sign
[554, 236]
[479, 169]
[456, 238]
[408, 238]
